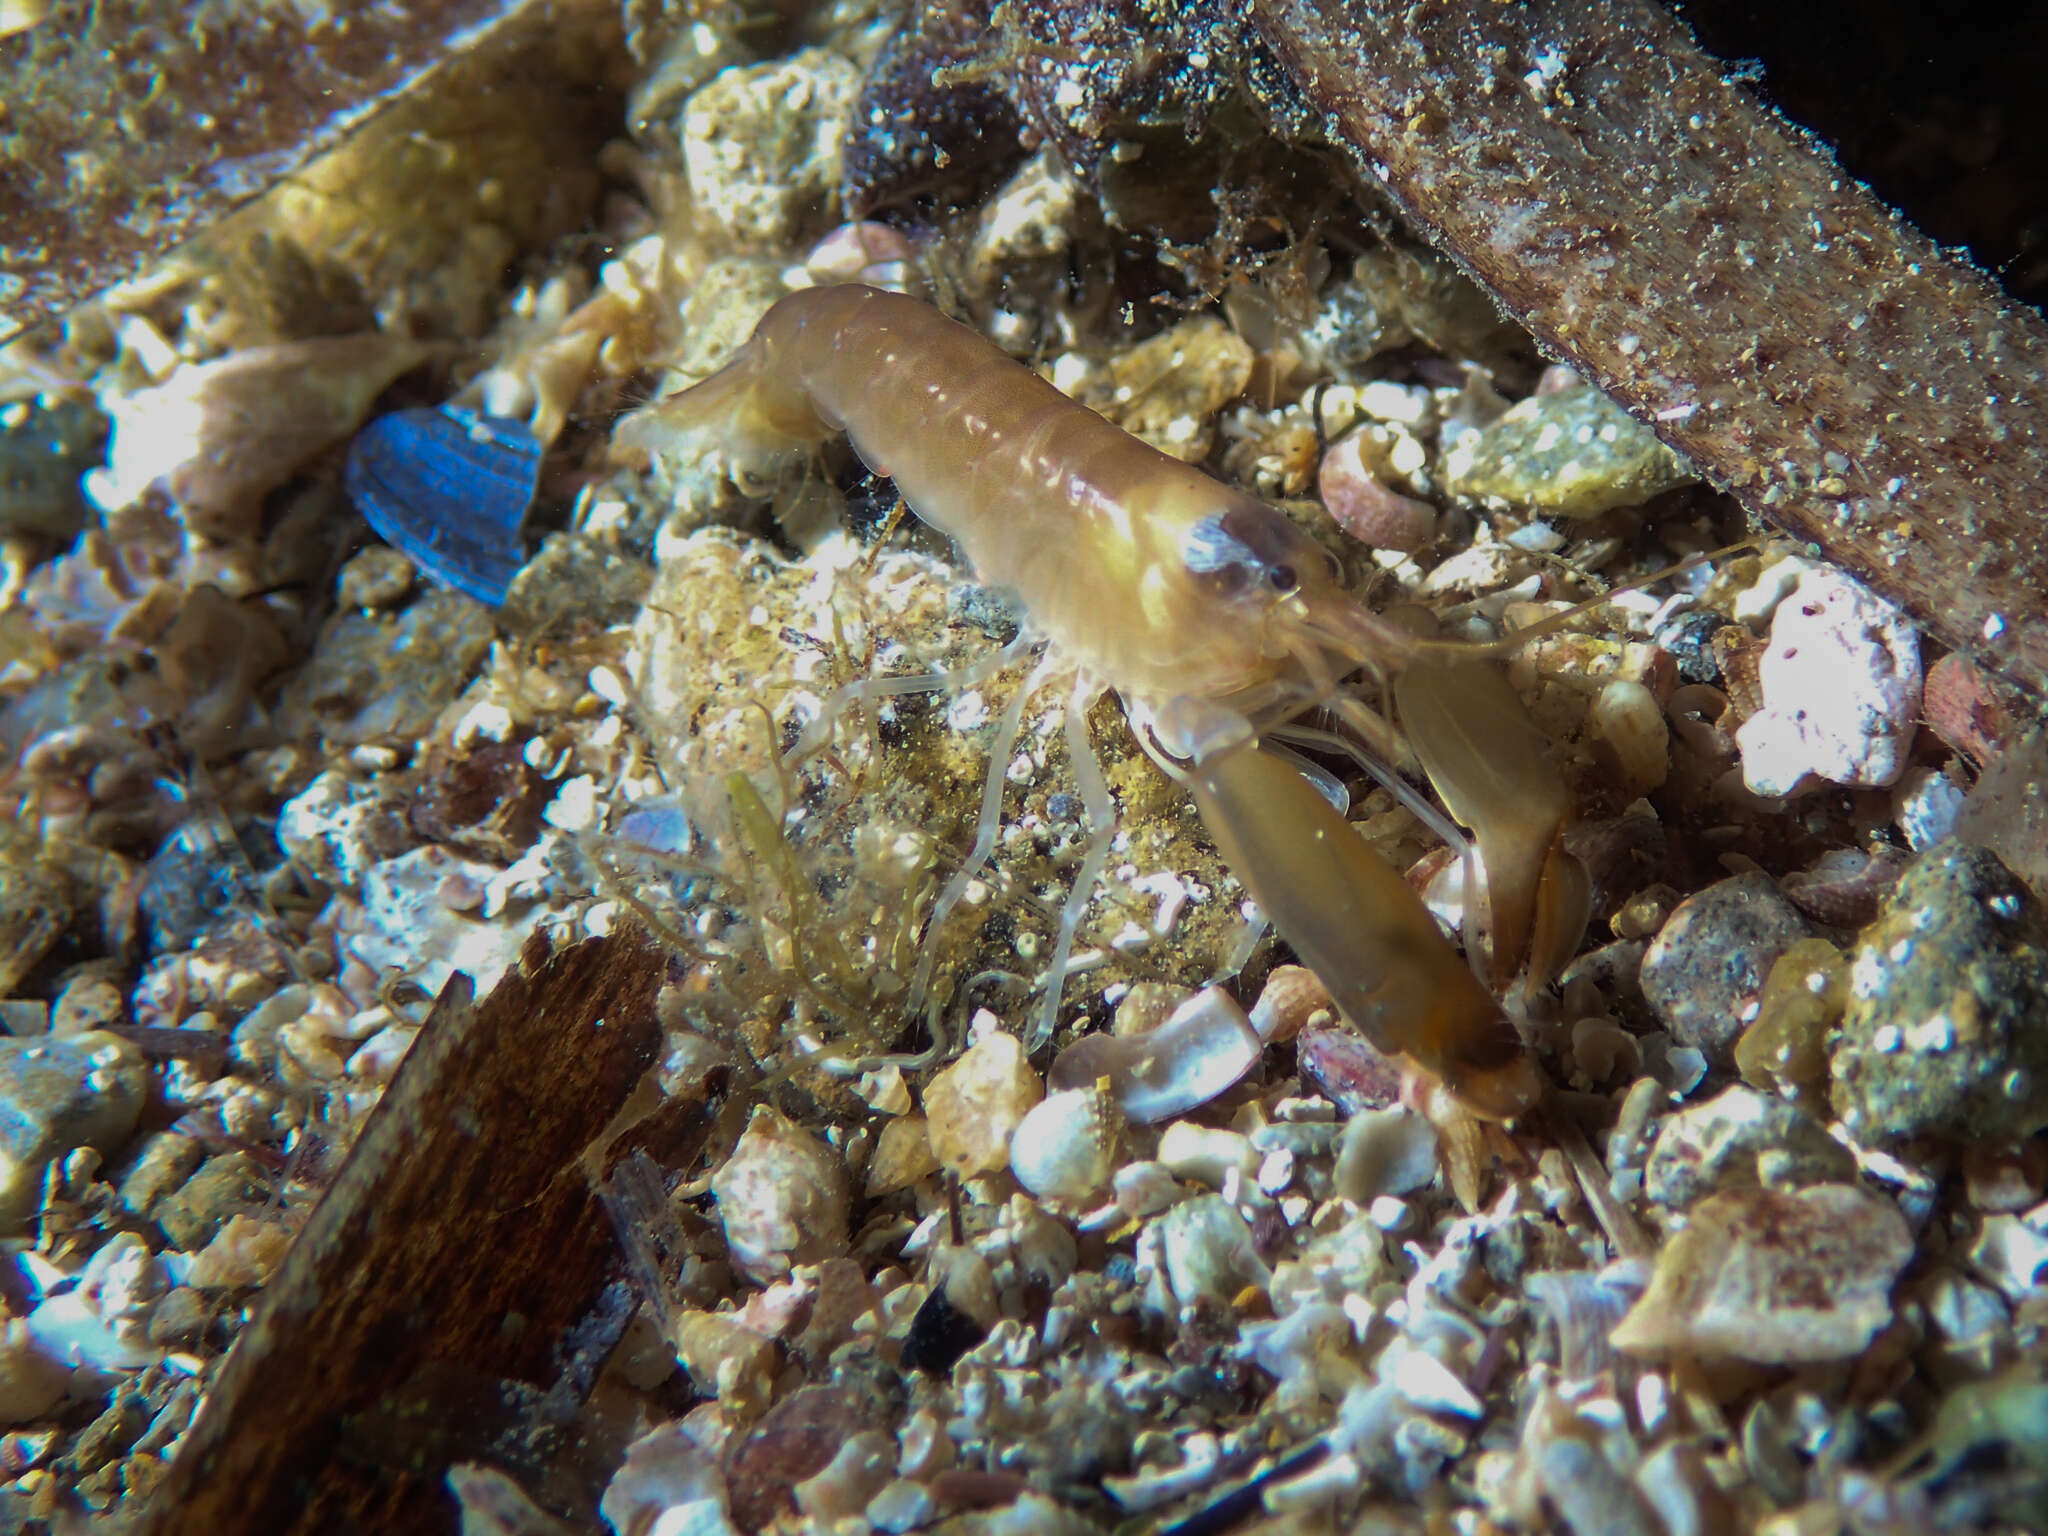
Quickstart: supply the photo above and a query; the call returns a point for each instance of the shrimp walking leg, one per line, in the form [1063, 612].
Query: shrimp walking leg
[1095, 800]
[863, 690]
[986, 830]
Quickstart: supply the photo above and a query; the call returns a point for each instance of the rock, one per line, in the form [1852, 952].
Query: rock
[762, 145]
[181, 1318]
[1741, 1139]
[1774, 1279]
[1574, 453]
[59, 1093]
[164, 1162]
[1707, 966]
[1841, 690]
[383, 678]
[1946, 1031]
[32, 1381]
[782, 1197]
[973, 1106]
[225, 1186]
[42, 456]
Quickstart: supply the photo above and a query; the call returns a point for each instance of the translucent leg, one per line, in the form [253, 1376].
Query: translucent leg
[1102, 819]
[985, 832]
[957, 680]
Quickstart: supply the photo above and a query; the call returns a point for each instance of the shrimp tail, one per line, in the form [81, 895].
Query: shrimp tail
[748, 416]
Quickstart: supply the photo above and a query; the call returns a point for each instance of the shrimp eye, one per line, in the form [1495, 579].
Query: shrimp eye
[1282, 578]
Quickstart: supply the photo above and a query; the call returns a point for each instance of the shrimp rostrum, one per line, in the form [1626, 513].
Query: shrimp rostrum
[1216, 621]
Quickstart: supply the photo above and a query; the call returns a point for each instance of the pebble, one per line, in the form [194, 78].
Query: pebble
[1352, 485]
[224, 1186]
[903, 1155]
[1063, 1150]
[975, 1105]
[1946, 1029]
[59, 1093]
[36, 906]
[1384, 1152]
[1742, 1139]
[1572, 453]
[1773, 1278]
[762, 145]
[1841, 691]
[1208, 1250]
[164, 1161]
[782, 1198]
[1704, 973]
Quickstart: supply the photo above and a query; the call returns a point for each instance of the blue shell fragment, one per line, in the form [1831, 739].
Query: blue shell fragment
[448, 488]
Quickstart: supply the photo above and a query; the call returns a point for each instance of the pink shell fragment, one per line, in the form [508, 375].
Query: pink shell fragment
[1364, 507]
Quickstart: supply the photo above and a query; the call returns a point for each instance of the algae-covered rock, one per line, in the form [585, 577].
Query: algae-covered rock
[1946, 1032]
[1574, 453]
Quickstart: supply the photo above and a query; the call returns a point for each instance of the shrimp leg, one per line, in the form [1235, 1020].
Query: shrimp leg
[985, 832]
[1095, 799]
[1359, 927]
[861, 690]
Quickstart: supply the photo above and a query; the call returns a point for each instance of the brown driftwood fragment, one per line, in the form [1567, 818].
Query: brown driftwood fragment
[458, 1268]
[1709, 265]
[132, 125]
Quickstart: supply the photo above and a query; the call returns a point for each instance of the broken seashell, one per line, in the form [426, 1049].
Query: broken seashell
[1206, 1047]
[1063, 1148]
[449, 488]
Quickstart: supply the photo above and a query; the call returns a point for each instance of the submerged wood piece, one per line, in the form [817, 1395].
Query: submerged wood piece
[132, 125]
[458, 1257]
[1709, 266]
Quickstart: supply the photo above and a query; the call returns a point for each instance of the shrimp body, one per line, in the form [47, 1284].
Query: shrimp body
[1152, 577]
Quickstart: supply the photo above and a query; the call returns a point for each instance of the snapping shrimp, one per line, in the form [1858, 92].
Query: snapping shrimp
[1213, 617]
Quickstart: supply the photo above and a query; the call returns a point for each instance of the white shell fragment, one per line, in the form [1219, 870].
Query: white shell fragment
[1841, 686]
[1384, 1152]
[1062, 1150]
[1208, 1250]
[1206, 1047]
[782, 1197]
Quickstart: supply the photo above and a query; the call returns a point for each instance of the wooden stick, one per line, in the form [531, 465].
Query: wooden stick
[448, 1278]
[1711, 267]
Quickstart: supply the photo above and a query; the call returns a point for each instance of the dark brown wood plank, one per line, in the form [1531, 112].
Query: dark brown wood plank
[1711, 267]
[456, 1252]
